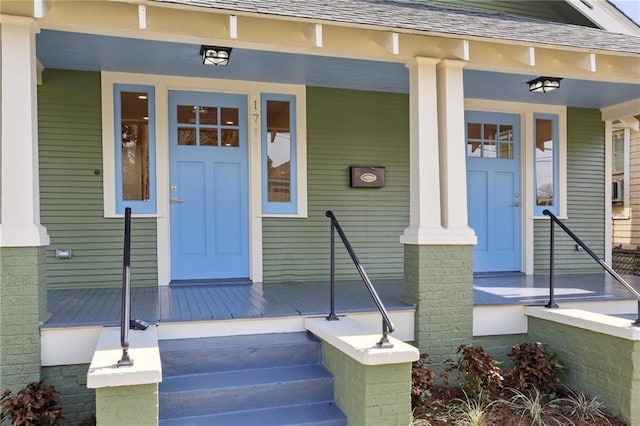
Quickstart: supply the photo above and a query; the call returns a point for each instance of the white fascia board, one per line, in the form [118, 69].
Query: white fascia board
[606, 16]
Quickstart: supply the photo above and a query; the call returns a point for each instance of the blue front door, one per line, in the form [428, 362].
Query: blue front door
[493, 188]
[208, 185]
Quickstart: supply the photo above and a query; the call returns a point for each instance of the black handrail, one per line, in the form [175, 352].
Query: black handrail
[614, 274]
[387, 325]
[125, 316]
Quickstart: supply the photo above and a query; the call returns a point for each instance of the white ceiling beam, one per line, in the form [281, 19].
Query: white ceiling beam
[589, 62]
[42, 7]
[233, 27]
[394, 43]
[528, 56]
[618, 111]
[142, 17]
[631, 122]
[458, 49]
[315, 35]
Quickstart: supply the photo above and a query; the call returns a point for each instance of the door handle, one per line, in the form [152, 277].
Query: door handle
[175, 200]
[515, 205]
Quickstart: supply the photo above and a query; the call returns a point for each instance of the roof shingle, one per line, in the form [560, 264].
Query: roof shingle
[413, 16]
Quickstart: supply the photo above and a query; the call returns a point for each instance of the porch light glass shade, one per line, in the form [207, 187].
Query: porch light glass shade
[213, 55]
[544, 84]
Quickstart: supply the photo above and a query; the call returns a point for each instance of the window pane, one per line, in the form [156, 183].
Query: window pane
[490, 131]
[618, 151]
[506, 133]
[506, 151]
[489, 150]
[278, 151]
[230, 137]
[473, 149]
[187, 114]
[208, 115]
[229, 116]
[474, 131]
[209, 137]
[544, 163]
[186, 136]
[135, 145]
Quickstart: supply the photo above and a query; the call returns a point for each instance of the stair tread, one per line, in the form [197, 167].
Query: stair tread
[227, 342]
[249, 377]
[322, 413]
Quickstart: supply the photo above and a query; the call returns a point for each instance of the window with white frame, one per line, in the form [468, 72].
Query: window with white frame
[134, 148]
[619, 170]
[546, 177]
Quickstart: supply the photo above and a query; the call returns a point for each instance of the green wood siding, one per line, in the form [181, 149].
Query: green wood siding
[585, 198]
[71, 191]
[345, 128]
[553, 10]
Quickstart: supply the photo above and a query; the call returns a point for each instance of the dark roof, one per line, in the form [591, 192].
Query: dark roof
[414, 16]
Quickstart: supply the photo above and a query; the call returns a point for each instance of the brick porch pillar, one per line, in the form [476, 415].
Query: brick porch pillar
[438, 243]
[22, 238]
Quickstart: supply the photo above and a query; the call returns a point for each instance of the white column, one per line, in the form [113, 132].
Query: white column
[451, 136]
[19, 185]
[424, 176]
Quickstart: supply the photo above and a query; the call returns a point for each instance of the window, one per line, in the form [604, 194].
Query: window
[489, 140]
[134, 148]
[618, 152]
[546, 163]
[279, 165]
[619, 171]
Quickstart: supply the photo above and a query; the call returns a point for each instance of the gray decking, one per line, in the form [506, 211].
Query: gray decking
[101, 306]
[510, 289]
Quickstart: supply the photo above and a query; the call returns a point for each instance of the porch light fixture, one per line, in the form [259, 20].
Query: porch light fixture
[544, 84]
[214, 55]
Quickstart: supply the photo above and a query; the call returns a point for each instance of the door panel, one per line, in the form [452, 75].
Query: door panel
[493, 188]
[208, 185]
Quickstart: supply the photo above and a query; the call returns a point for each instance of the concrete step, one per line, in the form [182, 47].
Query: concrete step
[270, 379]
[192, 356]
[318, 414]
[244, 389]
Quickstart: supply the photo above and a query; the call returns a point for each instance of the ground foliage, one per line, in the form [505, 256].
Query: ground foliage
[477, 392]
[35, 404]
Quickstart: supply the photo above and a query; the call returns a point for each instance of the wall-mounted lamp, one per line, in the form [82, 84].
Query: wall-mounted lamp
[544, 84]
[213, 55]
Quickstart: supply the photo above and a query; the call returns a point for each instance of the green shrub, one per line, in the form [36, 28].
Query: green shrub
[35, 404]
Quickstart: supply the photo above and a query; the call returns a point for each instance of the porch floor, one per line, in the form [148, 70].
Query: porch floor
[101, 306]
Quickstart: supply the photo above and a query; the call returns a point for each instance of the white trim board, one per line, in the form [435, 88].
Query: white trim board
[163, 84]
[526, 112]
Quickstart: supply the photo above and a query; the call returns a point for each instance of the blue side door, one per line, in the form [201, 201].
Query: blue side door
[493, 188]
[208, 152]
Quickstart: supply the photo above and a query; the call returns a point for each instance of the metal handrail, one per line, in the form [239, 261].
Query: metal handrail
[387, 325]
[614, 274]
[125, 316]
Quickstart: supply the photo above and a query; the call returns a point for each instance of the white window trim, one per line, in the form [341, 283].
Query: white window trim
[163, 84]
[626, 208]
[526, 112]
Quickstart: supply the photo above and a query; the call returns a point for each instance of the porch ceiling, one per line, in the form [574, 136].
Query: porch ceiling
[69, 50]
